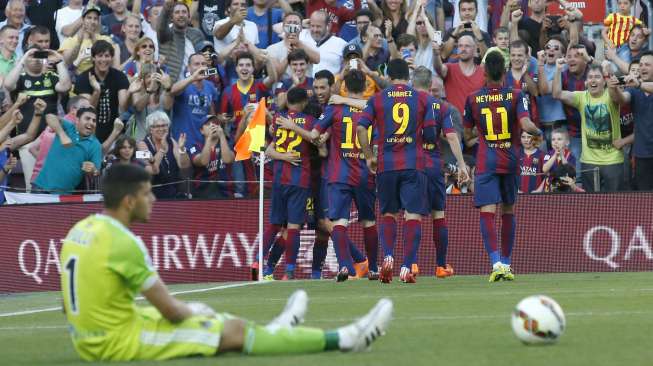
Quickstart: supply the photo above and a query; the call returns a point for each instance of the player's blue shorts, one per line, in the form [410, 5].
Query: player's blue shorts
[288, 204]
[341, 195]
[435, 188]
[492, 188]
[399, 189]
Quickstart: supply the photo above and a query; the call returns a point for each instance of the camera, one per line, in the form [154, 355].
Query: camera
[353, 64]
[211, 71]
[622, 79]
[292, 28]
[467, 25]
[562, 171]
[145, 155]
[41, 54]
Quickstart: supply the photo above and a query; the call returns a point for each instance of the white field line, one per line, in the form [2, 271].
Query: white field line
[58, 308]
[405, 318]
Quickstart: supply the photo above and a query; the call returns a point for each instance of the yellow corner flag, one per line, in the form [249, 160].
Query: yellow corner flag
[253, 139]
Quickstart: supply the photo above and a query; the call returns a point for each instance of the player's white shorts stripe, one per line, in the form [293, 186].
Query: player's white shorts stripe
[180, 336]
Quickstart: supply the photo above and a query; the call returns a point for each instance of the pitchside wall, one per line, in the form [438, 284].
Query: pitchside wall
[208, 241]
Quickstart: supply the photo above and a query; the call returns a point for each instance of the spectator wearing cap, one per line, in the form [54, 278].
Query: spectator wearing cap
[194, 99]
[328, 45]
[337, 15]
[266, 17]
[292, 25]
[363, 19]
[8, 43]
[210, 158]
[227, 30]
[168, 156]
[77, 49]
[105, 87]
[176, 42]
[298, 62]
[213, 61]
[353, 59]
[69, 19]
[112, 23]
[15, 12]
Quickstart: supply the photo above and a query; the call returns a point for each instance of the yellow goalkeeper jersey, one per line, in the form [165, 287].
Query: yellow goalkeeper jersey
[103, 266]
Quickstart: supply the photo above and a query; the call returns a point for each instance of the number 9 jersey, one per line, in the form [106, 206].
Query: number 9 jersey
[402, 117]
[495, 112]
[286, 141]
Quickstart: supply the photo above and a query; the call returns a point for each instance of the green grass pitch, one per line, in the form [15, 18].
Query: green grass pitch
[462, 320]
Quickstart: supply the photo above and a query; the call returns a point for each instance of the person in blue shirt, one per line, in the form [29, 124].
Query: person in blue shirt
[75, 152]
[265, 17]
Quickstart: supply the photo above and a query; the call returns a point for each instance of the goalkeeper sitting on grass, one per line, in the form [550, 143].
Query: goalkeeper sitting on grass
[104, 266]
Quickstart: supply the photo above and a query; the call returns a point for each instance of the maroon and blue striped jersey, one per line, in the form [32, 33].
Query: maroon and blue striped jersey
[235, 98]
[495, 112]
[215, 170]
[286, 84]
[572, 83]
[443, 123]
[531, 167]
[401, 117]
[346, 162]
[288, 141]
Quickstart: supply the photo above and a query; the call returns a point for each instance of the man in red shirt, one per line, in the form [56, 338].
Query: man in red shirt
[338, 15]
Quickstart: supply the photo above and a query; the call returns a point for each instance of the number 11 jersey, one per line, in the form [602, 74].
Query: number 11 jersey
[399, 114]
[495, 112]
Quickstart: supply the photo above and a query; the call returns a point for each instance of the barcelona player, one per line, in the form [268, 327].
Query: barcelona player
[104, 265]
[348, 179]
[499, 114]
[422, 78]
[402, 121]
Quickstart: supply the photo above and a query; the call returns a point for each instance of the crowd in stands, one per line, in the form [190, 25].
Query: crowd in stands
[169, 85]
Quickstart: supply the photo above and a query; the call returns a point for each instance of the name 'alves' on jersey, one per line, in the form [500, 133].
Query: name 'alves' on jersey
[496, 111]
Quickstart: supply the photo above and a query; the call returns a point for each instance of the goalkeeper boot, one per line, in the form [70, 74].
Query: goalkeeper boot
[444, 271]
[362, 268]
[406, 276]
[359, 336]
[508, 275]
[497, 272]
[343, 275]
[293, 313]
[386, 270]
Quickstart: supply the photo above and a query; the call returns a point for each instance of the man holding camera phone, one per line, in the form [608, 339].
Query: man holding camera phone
[292, 25]
[468, 10]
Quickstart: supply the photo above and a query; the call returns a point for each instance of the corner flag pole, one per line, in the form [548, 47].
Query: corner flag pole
[261, 174]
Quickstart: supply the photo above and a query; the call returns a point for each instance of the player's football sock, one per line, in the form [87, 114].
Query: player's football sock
[341, 246]
[412, 237]
[441, 241]
[356, 254]
[388, 235]
[320, 247]
[508, 225]
[292, 249]
[275, 254]
[268, 237]
[371, 240]
[261, 341]
[489, 234]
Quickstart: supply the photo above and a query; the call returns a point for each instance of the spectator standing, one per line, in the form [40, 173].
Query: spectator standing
[168, 156]
[531, 160]
[15, 12]
[105, 87]
[622, 57]
[209, 158]
[468, 26]
[298, 62]
[337, 15]
[292, 25]
[176, 42]
[209, 12]
[9, 37]
[363, 19]
[148, 92]
[617, 26]
[227, 30]
[132, 30]
[112, 22]
[329, 46]
[552, 114]
[69, 19]
[42, 13]
[394, 18]
[600, 127]
[265, 16]
[75, 152]
[144, 51]
[420, 26]
[38, 35]
[639, 96]
[374, 55]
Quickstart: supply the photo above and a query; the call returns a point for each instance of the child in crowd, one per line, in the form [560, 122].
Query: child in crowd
[560, 154]
[531, 162]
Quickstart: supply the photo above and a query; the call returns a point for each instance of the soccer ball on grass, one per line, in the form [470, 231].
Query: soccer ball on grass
[538, 320]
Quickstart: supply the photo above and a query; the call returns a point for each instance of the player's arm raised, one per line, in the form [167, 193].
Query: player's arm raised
[564, 96]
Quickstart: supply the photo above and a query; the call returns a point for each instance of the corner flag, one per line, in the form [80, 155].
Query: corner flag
[253, 139]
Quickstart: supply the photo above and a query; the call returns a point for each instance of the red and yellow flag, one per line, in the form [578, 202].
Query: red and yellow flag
[253, 139]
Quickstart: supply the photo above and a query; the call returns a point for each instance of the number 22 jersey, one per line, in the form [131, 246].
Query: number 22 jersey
[496, 111]
[291, 142]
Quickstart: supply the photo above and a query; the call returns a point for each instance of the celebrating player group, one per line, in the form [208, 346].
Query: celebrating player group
[387, 147]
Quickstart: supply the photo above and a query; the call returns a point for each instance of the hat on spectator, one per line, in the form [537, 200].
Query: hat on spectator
[210, 118]
[201, 46]
[91, 8]
[352, 48]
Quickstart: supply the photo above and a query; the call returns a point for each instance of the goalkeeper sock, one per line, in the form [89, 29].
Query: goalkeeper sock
[340, 240]
[489, 234]
[441, 241]
[412, 237]
[261, 341]
[388, 235]
[508, 226]
[371, 240]
[292, 249]
[268, 237]
[356, 254]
